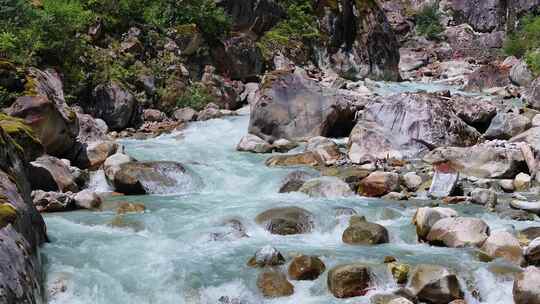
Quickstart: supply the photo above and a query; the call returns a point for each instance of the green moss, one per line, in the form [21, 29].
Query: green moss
[187, 30]
[20, 132]
[30, 87]
[271, 77]
[8, 213]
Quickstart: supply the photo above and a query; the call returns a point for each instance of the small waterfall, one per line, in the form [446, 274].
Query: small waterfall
[98, 182]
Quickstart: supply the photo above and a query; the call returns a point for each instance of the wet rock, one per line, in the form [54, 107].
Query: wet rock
[54, 125]
[521, 75]
[362, 232]
[378, 184]
[351, 175]
[324, 149]
[532, 252]
[426, 217]
[526, 288]
[399, 271]
[522, 182]
[267, 256]
[252, 143]
[407, 125]
[305, 267]
[344, 211]
[516, 215]
[114, 104]
[487, 160]
[294, 106]
[94, 154]
[112, 164]
[154, 115]
[434, 284]
[52, 174]
[443, 183]
[127, 207]
[294, 181]
[301, 159]
[533, 207]
[350, 280]
[458, 232]
[141, 177]
[274, 284]
[412, 181]
[326, 186]
[283, 145]
[395, 196]
[87, 199]
[503, 245]
[507, 125]
[485, 197]
[286, 220]
[53, 201]
[185, 115]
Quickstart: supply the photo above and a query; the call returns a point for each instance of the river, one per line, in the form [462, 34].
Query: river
[167, 255]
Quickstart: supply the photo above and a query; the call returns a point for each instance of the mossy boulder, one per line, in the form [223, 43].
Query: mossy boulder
[8, 214]
[23, 135]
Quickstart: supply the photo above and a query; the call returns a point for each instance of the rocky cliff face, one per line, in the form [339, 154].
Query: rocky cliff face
[361, 42]
[22, 228]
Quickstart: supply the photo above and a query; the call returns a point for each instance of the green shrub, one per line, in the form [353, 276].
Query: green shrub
[525, 42]
[196, 97]
[293, 34]
[428, 22]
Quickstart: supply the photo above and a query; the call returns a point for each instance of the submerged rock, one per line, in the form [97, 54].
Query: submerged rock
[458, 232]
[503, 245]
[294, 181]
[127, 207]
[526, 288]
[286, 220]
[434, 284]
[350, 280]
[326, 186]
[362, 232]
[266, 257]
[274, 284]
[305, 267]
[150, 177]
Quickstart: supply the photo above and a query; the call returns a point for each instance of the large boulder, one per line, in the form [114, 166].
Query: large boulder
[22, 229]
[434, 284]
[52, 174]
[532, 252]
[294, 106]
[477, 112]
[502, 244]
[487, 77]
[274, 284]
[486, 160]
[360, 42]
[350, 280]
[458, 232]
[362, 232]
[507, 125]
[151, 177]
[23, 135]
[426, 217]
[115, 105]
[406, 125]
[286, 220]
[520, 74]
[483, 16]
[55, 127]
[526, 288]
[326, 186]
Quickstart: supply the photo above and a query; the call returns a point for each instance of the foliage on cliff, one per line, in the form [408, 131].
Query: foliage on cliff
[525, 42]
